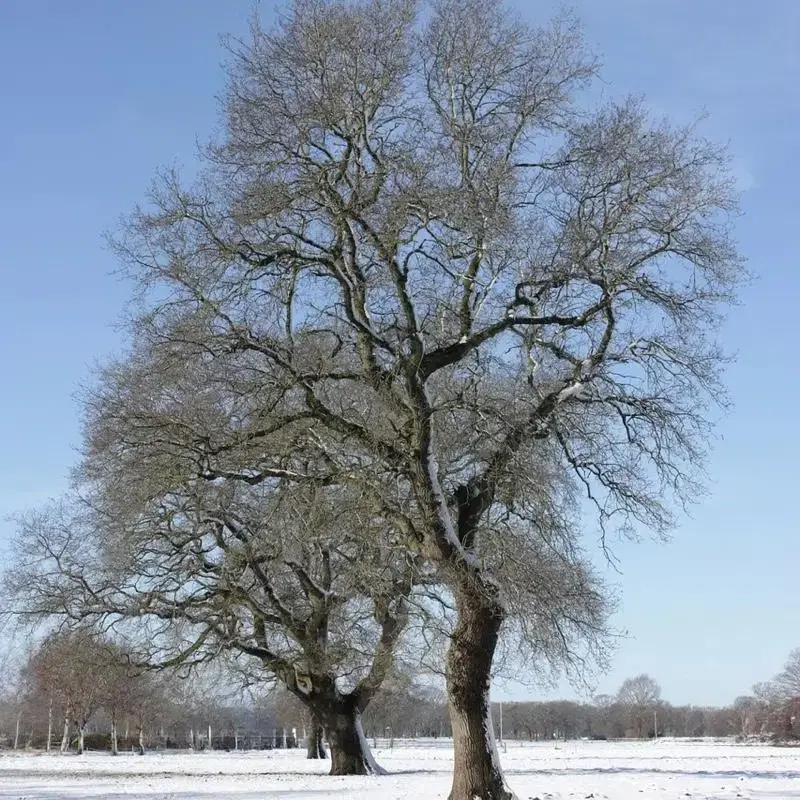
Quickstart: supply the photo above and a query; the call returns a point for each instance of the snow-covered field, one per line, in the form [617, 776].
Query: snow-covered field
[598, 770]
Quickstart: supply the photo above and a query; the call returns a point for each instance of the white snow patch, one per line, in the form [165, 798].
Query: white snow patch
[570, 391]
[372, 765]
[303, 681]
[488, 730]
[444, 511]
[420, 770]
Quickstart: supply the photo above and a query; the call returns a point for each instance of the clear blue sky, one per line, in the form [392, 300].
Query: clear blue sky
[94, 95]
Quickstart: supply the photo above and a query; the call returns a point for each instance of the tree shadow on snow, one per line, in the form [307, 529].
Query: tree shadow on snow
[690, 773]
[79, 793]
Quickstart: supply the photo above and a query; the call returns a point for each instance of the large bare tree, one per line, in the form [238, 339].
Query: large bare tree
[175, 522]
[452, 279]
[268, 576]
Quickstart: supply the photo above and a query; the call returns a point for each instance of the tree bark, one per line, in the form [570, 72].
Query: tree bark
[316, 744]
[65, 735]
[16, 730]
[339, 715]
[347, 753]
[49, 724]
[141, 740]
[81, 730]
[477, 773]
[114, 739]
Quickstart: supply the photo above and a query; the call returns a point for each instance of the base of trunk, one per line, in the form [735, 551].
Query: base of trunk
[316, 743]
[347, 754]
[477, 774]
[80, 741]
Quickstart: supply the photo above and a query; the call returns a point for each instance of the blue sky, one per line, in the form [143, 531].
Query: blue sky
[96, 95]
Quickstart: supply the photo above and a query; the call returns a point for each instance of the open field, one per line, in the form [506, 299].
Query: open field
[616, 771]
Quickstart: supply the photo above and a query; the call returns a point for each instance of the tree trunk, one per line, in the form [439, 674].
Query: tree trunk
[141, 739]
[65, 736]
[316, 744]
[114, 741]
[347, 753]
[49, 724]
[81, 730]
[477, 774]
[339, 716]
[16, 730]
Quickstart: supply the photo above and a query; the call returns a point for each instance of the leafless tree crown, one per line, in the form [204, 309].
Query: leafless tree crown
[416, 270]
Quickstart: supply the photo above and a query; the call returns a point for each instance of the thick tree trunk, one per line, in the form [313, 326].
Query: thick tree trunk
[81, 731]
[347, 753]
[316, 744]
[141, 740]
[339, 716]
[477, 774]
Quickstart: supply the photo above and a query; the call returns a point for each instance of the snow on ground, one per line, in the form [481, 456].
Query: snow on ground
[417, 771]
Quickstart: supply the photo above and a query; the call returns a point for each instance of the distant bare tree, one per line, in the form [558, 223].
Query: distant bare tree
[751, 714]
[129, 691]
[640, 697]
[776, 703]
[67, 668]
[786, 683]
[117, 694]
[145, 700]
